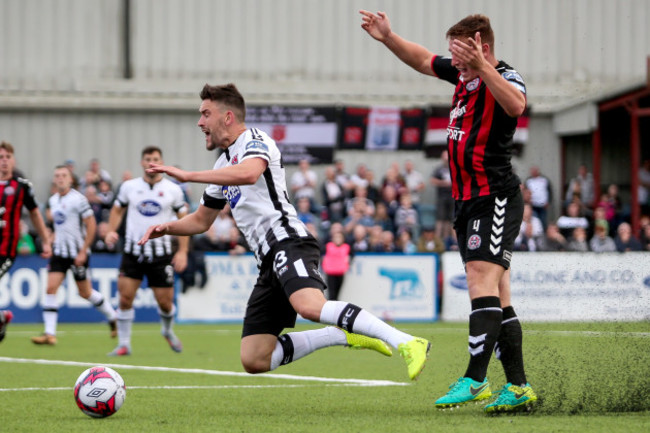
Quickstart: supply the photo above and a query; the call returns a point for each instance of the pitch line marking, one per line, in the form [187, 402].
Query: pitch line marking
[164, 387]
[360, 382]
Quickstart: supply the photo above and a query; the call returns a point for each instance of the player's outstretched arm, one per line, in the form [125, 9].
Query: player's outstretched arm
[197, 222]
[415, 55]
[245, 173]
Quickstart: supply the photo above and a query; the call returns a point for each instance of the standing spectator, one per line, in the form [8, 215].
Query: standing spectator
[373, 191]
[333, 196]
[530, 232]
[552, 240]
[489, 97]
[26, 245]
[105, 195]
[342, 177]
[74, 231]
[578, 240]
[582, 185]
[414, 182]
[429, 241]
[17, 193]
[625, 240]
[441, 179]
[601, 242]
[394, 179]
[406, 216]
[359, 179]
[382, 218]
[541, 193]
[304, 182]
[613, 205]
[150, 199]
[572, 219]
[644, 187]
[69, 163]
[95, 174]
[336, 262]
[389, 198]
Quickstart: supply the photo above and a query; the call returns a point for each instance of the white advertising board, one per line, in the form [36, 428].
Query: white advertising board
[557, 287]
[395, 287]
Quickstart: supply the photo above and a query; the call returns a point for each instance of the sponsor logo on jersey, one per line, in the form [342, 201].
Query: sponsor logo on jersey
[255, 144]
[473, 85]
[474, 242]
[232, 194]
[511, 75]
[10, 190]
[59, 217]
[149, 208]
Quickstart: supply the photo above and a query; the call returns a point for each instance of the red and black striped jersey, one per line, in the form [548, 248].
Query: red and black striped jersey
[479, 134]
[14, 194]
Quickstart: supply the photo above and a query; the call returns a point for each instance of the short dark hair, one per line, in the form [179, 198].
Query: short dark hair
[151, 149]
[229, 96]
[7, 146]
[468, 26]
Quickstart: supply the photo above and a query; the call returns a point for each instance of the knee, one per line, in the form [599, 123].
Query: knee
[309, 312]
[255, 366]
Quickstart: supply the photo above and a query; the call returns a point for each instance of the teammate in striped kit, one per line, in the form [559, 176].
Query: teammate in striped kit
[150, 199]
[489, 97]
[250, 177]
[74, 232]
[15, 193]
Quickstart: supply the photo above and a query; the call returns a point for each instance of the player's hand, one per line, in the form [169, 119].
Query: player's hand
[377, 25]
[47, 250]
[175, 172]
[469, 52]
[179, 262]
[111, 238]
[81, 258]
[153, 232]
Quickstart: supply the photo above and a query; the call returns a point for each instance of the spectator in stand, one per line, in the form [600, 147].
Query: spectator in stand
[374, 237]
[552, 240]
[360, 178]
[90, 192]
[451, 241]
[644, 187]
[69, 163]
[94, 175]
[100, 246]
[441, 179]
[387, 244]
[105, 195]
[360, 194]
[414, 182]
[342, 177]
[389, 198]
[304, 182]
[429, 241]
[303, 210]
[530, 231]
[611, 201]
[405, 242]
[645, 236]
[393, 179]
[358, 214]
[578, 240]
[359, 239]
[625, 240]
[222, 224]
[373, 191]
[235, 245]
[26, 245]
[601, 242]
[406, 216]
[333, 196]
[382, 218]
[583, 185]
[572, 219]
[336, 262]
[541, 193]
[185, 187]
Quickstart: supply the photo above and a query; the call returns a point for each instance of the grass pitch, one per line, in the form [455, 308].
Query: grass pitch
[589, 377]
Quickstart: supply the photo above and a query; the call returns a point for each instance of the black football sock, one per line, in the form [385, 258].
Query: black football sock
[508, 348]
[484, 325]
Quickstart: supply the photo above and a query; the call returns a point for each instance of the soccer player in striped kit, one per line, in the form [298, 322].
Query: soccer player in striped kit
[249, 176]
[489, 97]
[74, 232]
[15, 193]
[150, 199]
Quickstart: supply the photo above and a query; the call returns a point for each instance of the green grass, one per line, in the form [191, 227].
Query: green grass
[589, 377]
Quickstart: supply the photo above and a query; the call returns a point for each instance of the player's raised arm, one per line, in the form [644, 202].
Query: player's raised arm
[197, 222]
[245, 173]
[415, 55]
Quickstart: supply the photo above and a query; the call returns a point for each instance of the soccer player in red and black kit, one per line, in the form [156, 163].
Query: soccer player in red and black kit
[489, 97]
[15, 192]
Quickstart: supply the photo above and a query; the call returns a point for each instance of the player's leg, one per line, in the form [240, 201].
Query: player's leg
[50, 307]
[517, 394]
[86, 291]
[5, 315]
[127, 288]
[161, 279]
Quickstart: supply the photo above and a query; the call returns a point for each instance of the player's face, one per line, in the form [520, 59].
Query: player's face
[150, 158]
[466, 72]
[7, 163]
[213, 124]
[62, 179]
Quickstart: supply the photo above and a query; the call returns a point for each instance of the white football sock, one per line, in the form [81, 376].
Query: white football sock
[50, 314]
[102, 305]
[306, 342]
[124, 324]
[166, 319]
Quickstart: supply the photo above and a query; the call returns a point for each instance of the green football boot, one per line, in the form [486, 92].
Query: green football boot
[463, 391]
[513, 398]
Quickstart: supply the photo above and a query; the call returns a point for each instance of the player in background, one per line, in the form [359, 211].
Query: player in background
[150, 199]
[74, 233]
[249, 176]
[15, 193]
[489, 97]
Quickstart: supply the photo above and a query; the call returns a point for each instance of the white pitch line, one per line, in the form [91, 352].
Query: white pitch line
[69, 388]
[362, 382]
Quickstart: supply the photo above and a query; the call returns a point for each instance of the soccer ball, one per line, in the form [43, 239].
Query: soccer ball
[99, 392]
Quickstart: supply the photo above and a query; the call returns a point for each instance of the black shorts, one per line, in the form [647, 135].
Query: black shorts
[5, 264]
[158, 270]
[291, 265]
[62, 264]
[486, 227]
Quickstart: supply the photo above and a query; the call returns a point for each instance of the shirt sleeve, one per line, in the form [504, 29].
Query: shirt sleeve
[84, 208]
[213, 197]
[443, 69]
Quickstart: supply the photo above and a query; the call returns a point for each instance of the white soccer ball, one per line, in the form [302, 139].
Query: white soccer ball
[99, 392]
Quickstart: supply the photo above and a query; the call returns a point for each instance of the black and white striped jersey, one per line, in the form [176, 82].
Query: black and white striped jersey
[148, 205]
[68, 212]
[262, 211]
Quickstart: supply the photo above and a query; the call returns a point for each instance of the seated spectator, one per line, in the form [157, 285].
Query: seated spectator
[303, 210]
[406, 216]
[601, 242]
[360, 194]
[381, 217]
[359, 240]
[359, 179]
[552, 240]
[359, 214]
[304, 182]
[625, 241]
[578, 240]
[405, 242]
[394, 179]
[333, 196]
[94, 175]
[530, 231]
[26, 244]
[95, 202]
[373, 192]
[451, 241]
[374, 237]
[106, 196]
[389, 198]
[387, 244]
[645, 236]
[429, 241]
[572, 219]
